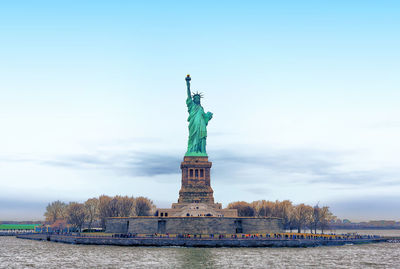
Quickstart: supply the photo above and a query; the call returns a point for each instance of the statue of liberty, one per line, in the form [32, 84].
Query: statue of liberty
[198, 121]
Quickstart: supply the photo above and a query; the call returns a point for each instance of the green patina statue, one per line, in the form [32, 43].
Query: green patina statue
[198, 121]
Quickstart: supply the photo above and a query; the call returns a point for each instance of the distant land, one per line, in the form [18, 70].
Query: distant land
[372, 224]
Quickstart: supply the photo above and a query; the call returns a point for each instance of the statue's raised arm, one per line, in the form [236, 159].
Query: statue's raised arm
[188, 79]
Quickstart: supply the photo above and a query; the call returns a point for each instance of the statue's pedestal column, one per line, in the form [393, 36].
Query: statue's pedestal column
[196, 181]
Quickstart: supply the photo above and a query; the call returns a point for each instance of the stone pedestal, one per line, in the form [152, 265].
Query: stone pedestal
[196, 197]
[196, 181]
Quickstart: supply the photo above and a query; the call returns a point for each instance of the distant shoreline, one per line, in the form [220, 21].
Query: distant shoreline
[363, 228]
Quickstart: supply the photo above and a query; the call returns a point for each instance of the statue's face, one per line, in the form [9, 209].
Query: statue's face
[196, 99]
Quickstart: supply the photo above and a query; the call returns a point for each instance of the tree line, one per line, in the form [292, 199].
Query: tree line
[97, 210]
[300, 217]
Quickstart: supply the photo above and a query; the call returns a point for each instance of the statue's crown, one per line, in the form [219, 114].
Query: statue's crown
[199, 94]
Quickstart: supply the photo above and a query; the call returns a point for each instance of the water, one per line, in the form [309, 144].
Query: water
[19, 253]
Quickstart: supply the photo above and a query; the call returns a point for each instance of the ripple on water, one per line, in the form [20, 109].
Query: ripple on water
[18, 253]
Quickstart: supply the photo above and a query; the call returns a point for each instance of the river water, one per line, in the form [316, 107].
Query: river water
[20, 253]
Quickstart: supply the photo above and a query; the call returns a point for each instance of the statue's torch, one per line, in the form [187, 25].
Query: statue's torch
[188, 79]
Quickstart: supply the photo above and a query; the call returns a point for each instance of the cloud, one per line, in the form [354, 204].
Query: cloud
[283, 161]
[371, 207]
[136, 163]
[130, 163]
[233, 166]
[313, 167]
[154, 164]
[266, 174]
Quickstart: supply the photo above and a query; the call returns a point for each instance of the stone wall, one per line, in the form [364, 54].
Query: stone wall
[117, 225]
[255, 225]
[193, 225]
[144, 226]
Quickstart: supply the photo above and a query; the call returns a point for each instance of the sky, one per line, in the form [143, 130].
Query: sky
[304, 95]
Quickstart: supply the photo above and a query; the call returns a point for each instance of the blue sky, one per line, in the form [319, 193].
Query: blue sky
[304, 95]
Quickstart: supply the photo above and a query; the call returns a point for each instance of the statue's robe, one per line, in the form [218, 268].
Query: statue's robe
[198, 121]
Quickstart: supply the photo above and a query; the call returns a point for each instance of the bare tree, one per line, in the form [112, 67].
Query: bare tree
[263, 208]
[55, 211]
[144, 206]
[244, 209]
[285, 210]
[325, 218]
[76, 214]
[293, 216]
[303, 215]
[104, 209]
[315, 218]
[125, 206]
[92, 210]
[113, 207]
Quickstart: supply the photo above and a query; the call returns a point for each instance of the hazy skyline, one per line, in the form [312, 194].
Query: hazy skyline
[304, 95]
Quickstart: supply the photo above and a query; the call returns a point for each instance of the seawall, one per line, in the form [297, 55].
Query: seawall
[197, 242]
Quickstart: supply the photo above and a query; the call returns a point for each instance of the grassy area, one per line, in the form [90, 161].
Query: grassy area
[18, 226]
